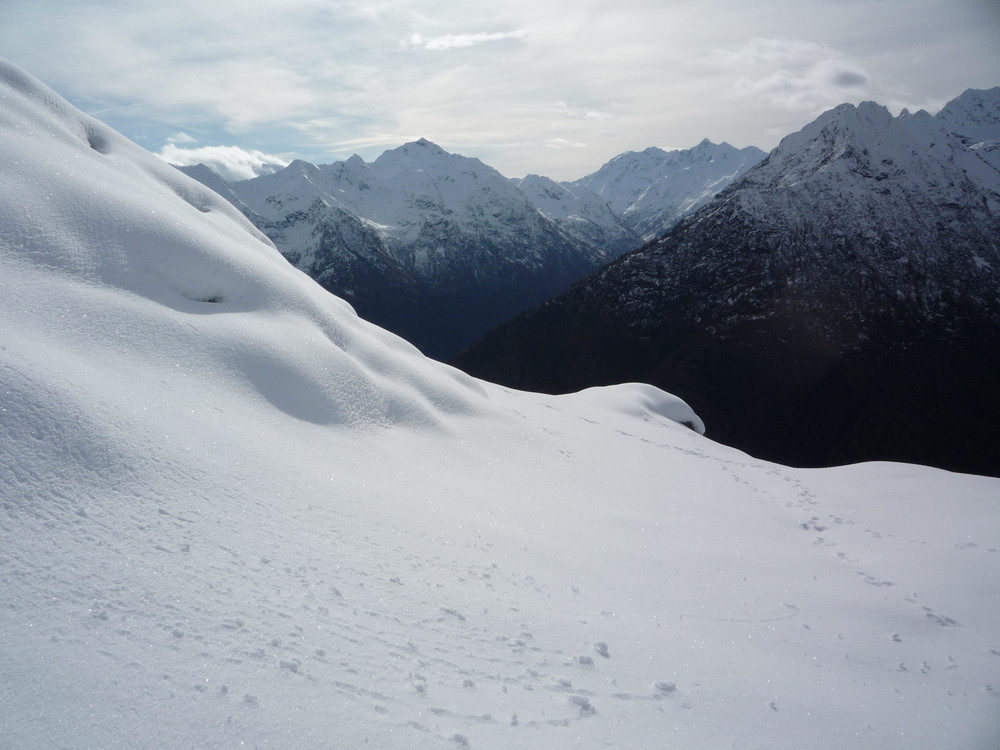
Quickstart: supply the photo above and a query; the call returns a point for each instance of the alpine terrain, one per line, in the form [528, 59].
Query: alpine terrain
[434, 246]
[439, 248]
[840, 302]
[651, 190]
[638, 196]
[234, 514]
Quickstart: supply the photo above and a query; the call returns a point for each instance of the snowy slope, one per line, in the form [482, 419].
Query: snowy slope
[653, 189]
[580, 212]
[234, 514]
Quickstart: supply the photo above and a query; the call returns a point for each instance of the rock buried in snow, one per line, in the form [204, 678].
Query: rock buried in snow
[586, 708]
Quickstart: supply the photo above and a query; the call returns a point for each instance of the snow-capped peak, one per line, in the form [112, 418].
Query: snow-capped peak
[652, 189]
[867, 141]
[420, 154]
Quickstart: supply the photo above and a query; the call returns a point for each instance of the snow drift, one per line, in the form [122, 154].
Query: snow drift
[234, 514]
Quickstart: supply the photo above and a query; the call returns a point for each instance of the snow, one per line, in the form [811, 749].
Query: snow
[234, 514]
[653, 189]
[579, 212]
[399, 192]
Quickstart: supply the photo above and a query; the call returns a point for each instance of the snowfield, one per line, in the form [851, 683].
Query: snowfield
[232, 514]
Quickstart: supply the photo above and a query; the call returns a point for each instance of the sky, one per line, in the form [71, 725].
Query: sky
[554, 88]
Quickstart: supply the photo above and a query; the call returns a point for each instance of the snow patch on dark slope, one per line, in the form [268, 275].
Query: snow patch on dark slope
[260, 521]
[837, 303]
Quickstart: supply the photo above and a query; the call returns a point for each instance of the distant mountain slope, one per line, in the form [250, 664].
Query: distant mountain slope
[652, 190]
[840, 302]
[438, 247]
[580, 212]
[434, 246]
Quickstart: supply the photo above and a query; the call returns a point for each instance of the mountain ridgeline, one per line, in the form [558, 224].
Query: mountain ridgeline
[839, 302]
[439, 248]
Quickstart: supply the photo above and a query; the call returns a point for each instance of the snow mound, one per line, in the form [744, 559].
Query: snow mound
[637, 400]
[113, 226]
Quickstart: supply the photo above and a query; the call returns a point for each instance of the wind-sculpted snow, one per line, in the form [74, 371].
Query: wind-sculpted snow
[232, 514]
[637, 400]
[117, 228]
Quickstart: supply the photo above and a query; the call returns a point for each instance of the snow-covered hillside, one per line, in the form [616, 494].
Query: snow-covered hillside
[580, 212]
[233, 514]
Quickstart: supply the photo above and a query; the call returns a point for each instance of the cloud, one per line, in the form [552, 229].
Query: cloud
[563, 143]
[457, 41]
[850, 79]
[181, 138]
[581, 112]
[232, 163]
[793, 74]
[313, 77]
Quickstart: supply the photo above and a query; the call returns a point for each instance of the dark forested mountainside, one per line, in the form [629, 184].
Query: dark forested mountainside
[839, 303]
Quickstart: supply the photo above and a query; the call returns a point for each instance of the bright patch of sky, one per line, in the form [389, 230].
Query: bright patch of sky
[554, 88]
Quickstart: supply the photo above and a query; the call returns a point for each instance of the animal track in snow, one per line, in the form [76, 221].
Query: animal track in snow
[944, 622]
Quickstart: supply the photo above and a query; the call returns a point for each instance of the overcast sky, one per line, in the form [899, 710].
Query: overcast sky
[553, 87]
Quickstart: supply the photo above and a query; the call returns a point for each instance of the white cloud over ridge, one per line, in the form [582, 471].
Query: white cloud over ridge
[793, 74]
[232, 163]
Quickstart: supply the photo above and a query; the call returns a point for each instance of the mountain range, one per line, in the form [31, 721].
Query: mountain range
[839, 302]
[653, 189]
[439, 248]
[234, 514]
